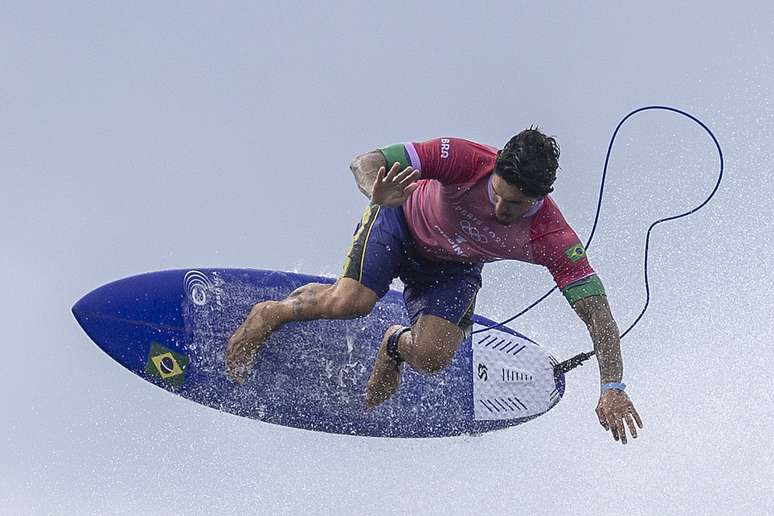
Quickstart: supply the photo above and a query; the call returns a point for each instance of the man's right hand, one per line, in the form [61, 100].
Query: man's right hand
[394, 187]
[615, 408]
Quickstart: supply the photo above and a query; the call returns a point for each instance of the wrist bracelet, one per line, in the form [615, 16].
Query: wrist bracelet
[613, 385]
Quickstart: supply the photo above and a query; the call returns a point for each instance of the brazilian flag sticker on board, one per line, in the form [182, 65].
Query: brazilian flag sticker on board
[167, 365]
[576, 252]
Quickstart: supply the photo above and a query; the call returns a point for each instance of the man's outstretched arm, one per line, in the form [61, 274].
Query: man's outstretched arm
[615, 410]
[594, 311]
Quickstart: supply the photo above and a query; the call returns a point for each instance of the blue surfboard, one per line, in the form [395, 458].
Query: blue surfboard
[171, 328]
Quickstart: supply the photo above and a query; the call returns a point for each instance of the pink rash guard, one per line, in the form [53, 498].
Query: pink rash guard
[451, 214]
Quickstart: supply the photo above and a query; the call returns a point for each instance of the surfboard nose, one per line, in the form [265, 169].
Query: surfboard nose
[80, 311]
[108, 301]
[151, 299]
[138, 322]
[86, 311]
[93, 302]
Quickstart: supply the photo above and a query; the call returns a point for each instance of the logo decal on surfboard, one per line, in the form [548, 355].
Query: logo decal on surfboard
[167, 365]
[482, 371]
[197, 285]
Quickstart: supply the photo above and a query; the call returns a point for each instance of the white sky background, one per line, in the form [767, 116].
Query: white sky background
[150, 136]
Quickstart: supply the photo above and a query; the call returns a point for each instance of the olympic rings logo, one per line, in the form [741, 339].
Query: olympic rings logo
[473, 232]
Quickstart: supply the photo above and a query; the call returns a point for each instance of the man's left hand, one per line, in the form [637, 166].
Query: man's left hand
[615, 408]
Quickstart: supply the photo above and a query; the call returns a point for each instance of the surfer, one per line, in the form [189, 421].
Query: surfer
[439, 210]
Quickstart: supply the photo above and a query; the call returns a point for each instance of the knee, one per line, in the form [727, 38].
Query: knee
[431, 359]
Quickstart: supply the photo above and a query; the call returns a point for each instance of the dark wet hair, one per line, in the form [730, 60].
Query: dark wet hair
[529, 161]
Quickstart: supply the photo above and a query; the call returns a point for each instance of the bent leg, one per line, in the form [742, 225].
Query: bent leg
[345, 299]
[440, 299]
[431, 344]
[371, 264]
[428, 348]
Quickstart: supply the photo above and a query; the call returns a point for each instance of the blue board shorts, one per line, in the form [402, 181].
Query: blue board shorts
[383, 249]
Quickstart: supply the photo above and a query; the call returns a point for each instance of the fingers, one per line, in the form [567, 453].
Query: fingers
[408, 176]
[395, 175]
[636, 416]
[619, 421]
[612, 424]
[616, 413]
[393, 171]
[395, 186]
[630, 423]
[616, 426]
[621, 430]
[629, 415]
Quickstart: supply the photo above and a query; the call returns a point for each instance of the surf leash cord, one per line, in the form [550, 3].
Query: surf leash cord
[578, 359]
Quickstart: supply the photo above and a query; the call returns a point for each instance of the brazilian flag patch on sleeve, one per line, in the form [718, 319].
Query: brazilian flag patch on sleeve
[576, 252]
[166, 365]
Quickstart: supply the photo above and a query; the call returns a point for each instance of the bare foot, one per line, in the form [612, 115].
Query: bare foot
[386, 374]
[246, 341]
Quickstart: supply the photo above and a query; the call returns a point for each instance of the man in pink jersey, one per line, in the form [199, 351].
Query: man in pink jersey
[443, 209]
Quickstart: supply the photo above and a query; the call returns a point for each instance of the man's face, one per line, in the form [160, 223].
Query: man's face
[510, 203]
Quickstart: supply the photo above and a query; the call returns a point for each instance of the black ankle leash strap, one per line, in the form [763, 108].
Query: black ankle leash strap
[392, 345]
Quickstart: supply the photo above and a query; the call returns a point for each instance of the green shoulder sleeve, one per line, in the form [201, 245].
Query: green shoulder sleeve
[591, 286]
[395, 153]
